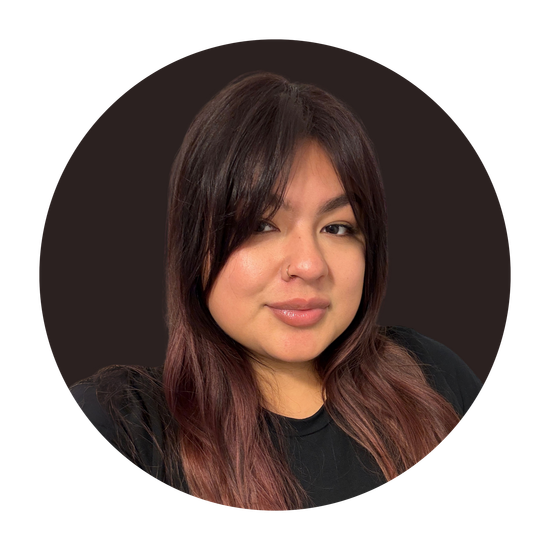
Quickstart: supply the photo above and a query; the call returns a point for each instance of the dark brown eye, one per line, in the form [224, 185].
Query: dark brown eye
[264, 227]
[339, 229]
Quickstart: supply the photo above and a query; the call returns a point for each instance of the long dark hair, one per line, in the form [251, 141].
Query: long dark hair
[232, 168]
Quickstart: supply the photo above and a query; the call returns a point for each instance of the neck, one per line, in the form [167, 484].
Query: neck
[290, 389]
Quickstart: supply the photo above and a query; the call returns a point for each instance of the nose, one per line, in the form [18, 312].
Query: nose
[304, 258]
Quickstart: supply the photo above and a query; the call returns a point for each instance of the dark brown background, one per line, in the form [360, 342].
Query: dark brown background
[101, 269]
[101, 251]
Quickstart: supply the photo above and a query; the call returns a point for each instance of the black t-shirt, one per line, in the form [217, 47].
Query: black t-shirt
[326, 461]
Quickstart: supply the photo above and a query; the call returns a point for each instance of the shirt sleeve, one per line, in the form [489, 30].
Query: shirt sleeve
[85, 394]
[118, 402]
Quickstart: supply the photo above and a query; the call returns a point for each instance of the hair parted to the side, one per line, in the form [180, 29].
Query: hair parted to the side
[232, 168]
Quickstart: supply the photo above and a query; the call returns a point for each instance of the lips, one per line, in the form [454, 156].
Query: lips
[300, 312]
[301, 303]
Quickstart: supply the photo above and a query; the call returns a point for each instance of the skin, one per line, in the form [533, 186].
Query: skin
[326, 260]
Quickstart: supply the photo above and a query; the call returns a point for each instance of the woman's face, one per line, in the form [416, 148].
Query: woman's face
[296, 284]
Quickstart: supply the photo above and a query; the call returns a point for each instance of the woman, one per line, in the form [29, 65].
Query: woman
[279, 390]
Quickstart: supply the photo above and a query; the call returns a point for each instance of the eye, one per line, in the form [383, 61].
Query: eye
[264, 227]
[339, 229]
[336, 229]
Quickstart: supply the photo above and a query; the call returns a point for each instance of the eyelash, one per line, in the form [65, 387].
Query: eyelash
[350, 229]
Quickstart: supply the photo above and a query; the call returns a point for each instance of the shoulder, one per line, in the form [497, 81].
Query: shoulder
[85, 393]
[444, 369]
[126, 404]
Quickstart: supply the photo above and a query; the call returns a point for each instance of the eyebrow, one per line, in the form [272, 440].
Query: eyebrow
[328, 206]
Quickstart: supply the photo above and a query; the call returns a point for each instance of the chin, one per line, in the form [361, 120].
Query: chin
[296, 353]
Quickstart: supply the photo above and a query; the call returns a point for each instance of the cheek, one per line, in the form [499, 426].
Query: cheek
[238, 288]
[358, 276]
[350, 279]
[245, 274]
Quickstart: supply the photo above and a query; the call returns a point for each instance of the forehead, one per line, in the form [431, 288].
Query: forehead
[313, 180]
[311, 162]
[322, 206]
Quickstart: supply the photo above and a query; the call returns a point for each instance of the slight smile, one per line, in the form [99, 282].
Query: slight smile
[300, 312]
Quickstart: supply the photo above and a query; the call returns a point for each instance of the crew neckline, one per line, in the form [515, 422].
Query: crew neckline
[298, 427]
